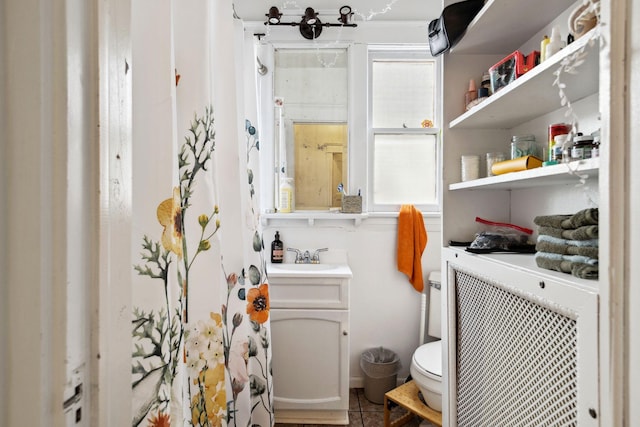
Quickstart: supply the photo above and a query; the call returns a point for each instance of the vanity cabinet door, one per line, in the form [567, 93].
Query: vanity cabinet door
[310, 359]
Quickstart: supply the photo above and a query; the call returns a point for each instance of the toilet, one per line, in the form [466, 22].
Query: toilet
[426, 363]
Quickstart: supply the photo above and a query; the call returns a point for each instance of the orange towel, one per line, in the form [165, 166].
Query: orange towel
[412, 239]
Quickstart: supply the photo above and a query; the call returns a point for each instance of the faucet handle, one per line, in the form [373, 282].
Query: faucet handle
[298, 254]
[316, 255]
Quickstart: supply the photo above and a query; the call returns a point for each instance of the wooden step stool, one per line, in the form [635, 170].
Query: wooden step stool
[407, 397]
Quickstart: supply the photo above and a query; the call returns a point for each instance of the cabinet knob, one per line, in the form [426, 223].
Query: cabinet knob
[345, 333]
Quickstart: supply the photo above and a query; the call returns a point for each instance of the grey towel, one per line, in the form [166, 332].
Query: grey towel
[584, 217]
[588, 251]
[586, 232]
[573, 258]
[557, 241]
[577, 269]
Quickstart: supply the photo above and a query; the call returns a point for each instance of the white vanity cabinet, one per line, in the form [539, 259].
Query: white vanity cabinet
[505, 316]
[310, 337]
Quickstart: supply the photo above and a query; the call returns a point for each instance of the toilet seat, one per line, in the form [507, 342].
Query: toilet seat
[427, 359]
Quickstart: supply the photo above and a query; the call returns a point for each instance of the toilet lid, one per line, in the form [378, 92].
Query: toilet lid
[428, 357]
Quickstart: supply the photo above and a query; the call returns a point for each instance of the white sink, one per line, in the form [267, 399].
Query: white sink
[308, 270]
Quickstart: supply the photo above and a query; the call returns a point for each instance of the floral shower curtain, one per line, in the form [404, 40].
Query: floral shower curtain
[201, 351]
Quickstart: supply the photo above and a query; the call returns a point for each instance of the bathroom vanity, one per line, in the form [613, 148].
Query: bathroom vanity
[310, 337]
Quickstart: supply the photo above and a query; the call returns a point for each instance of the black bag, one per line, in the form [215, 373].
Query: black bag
[448, 29]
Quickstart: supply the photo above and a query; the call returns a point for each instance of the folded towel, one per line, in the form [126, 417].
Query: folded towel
[412, 239]
[558, 241]
[554, 221]
[586, 232]
[584, 217]
[573, 258]
[584, 271]
[587, 251]
[577, 269]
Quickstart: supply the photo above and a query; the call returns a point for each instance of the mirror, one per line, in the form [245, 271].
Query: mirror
[311, 102]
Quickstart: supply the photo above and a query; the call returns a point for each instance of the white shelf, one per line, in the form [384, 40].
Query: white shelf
[526, 263]
[564, 173]
[310, 217]
[533, 94]
[491, 32]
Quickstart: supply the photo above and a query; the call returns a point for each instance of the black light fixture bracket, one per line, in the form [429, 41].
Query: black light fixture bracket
[310, 25]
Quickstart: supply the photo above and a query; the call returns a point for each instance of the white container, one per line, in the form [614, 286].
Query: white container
[470, 167]
[555, 43]
[286, 196]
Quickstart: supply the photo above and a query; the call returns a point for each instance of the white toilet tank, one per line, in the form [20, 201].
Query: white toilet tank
[434, 324]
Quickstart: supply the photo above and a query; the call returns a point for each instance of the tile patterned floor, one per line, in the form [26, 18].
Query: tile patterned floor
[363, 413]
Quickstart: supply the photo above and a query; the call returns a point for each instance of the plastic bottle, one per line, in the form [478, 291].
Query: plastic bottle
[559, 143]
[543, 47]
[277, 249]
[555, 129]
[286, 196]
[555, 43]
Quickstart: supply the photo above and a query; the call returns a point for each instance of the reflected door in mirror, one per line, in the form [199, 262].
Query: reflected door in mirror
[320, 164]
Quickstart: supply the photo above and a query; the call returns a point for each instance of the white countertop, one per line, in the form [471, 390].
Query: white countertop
[340, 270]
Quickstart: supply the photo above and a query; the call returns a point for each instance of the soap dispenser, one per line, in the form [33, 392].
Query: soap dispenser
[277, 249]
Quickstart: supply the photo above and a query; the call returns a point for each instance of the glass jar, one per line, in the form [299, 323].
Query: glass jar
[523, 145]
[582, 147]
[493, 158]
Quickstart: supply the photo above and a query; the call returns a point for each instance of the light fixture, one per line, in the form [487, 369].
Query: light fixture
[345, 15]
[310, 16]
[310, 25]
[274, 15]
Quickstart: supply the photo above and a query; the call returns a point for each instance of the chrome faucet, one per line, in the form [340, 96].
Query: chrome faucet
[306, 257]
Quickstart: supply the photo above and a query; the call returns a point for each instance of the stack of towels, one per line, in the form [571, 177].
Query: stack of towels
[569, 243]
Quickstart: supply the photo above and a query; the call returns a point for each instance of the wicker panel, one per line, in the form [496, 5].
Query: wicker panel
[516, 359]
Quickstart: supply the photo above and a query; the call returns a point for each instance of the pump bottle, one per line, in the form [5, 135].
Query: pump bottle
[277, 249]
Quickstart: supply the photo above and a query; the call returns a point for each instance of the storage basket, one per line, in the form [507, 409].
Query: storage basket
[351, 204]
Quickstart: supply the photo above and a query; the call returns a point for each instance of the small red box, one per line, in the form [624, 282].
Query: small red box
[512, 67]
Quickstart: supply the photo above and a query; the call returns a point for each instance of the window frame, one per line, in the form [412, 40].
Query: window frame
[407, 54]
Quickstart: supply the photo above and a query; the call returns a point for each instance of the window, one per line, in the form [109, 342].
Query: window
[403, 153]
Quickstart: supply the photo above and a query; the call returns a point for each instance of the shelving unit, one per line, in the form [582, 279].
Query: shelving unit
[563, 173]
[529, 96]
[515, 109]
[504, 25]
[527, 105]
